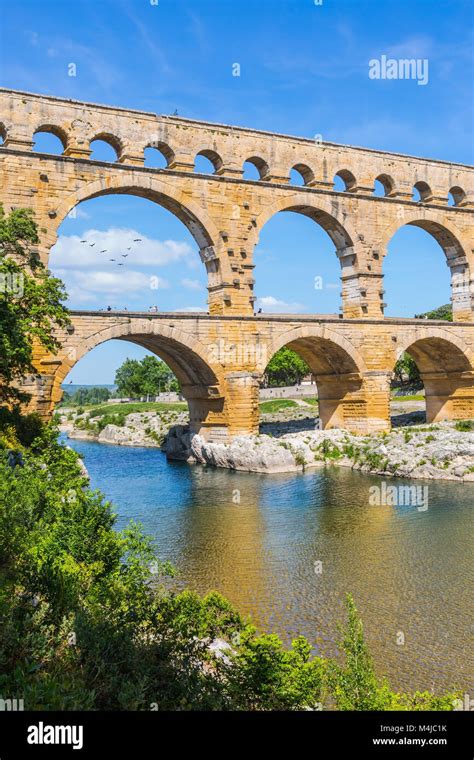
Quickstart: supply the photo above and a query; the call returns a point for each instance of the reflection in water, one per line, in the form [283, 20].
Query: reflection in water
[256, 539]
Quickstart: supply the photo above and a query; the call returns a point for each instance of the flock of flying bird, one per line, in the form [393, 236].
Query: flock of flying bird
[124, 255]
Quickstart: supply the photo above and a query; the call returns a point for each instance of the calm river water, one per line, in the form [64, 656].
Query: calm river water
[410, 571]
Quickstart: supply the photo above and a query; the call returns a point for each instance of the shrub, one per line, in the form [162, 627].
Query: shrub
[464, 426]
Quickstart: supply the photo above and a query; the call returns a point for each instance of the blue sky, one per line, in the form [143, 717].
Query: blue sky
[304, 71]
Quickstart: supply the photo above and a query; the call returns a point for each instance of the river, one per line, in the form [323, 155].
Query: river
[285, 549]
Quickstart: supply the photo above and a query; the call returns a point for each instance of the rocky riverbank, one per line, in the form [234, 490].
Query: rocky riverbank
[289, 442]
[428, 451]
[138, 429]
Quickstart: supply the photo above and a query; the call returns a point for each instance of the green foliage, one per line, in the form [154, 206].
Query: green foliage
[276, 405]
[285, 368]
[329, 450]
[31, 302]
[265, 676]
[441, 312]
[406, 368]
[111, 419]
[17, 429]
[86, 396]
[149, 376]
[354, 684]
[132, 407]
[410, 397]
[464, 426]
[299, 458]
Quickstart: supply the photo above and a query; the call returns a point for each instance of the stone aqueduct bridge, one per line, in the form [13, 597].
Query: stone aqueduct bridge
[220, 356]
[220, 359]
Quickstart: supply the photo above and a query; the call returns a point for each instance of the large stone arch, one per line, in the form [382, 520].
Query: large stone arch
[159, 190]
[452, 346]
[329, 212]
[202, 381]
[446, 367]
[349, 395]
[447, 234]
[457, 249]
[324, 211]
[319, 335]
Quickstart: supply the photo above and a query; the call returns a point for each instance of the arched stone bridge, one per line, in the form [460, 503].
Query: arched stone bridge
[351, 357]
[220, 360]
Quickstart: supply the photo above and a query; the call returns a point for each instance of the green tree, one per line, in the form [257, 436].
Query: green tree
[355, 685]
[149, 376]
[406, 367]
[441, 312]
[31, 302]
[84, 396]
[285, 368]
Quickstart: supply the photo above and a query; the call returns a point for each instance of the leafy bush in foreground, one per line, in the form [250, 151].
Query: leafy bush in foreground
[86, 621]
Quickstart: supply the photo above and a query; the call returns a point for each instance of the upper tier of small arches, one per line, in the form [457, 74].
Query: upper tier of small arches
[158, 154]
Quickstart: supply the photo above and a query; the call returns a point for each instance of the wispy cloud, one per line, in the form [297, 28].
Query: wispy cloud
[70, 252]
[276, 306]
[103, 264]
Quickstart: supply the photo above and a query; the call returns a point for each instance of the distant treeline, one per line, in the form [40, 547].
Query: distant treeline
[83, 396]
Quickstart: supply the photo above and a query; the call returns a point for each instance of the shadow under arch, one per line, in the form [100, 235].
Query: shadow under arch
[187, 357]
[447, 371]
[337, 368]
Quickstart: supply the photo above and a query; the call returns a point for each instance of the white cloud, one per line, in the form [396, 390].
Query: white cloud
[276, 306]
[70, 253]
[78, 213]
[191, 284]
[96, 285]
